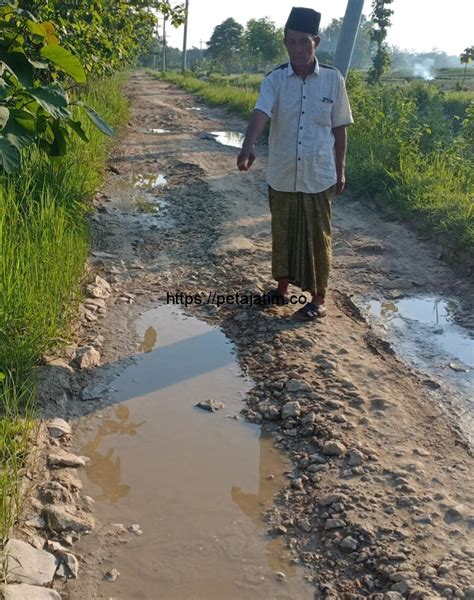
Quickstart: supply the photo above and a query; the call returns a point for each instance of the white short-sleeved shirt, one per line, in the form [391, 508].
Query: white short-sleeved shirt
[303, 113]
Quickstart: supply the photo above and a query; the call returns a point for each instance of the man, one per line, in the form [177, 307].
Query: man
[309, 110]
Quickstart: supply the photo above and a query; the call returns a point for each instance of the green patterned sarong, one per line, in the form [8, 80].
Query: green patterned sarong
[301, 238]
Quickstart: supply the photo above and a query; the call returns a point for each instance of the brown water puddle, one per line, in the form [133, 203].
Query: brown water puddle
[195, 482]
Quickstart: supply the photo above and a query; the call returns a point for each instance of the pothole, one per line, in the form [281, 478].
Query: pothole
[196, 482]
[433, 317]
[423, 331]
[229, 138]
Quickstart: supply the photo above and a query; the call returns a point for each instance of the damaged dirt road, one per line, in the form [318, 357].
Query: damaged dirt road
[369, 458]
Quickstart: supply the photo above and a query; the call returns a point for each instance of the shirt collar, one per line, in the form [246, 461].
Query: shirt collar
[291, 71]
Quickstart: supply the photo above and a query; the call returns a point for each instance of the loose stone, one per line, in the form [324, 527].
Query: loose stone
[61, 458]
[58, 428]
[29, 565]
[87, 358]
[112, 575]
[24, 591]
[210, 405]
[349, 543]
[334, 524]
[334, 448]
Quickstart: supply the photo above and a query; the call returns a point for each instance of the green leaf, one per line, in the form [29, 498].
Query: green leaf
[39, 64]
[76, 126]
[54, 100]
[59, 144]
[36, 28]
[24, 119]
[4, 116]
[19, 65]
[2, 376]
[17, 135]
[10, 157]
[62, 58]
[99, 122]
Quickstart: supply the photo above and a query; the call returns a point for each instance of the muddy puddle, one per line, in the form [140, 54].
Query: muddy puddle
[195, 482]
[229, 138]
[157, 131]
[139, 201]
[424, 331]
[148, 182]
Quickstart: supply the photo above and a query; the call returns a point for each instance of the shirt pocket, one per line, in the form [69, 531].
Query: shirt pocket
[322, 113]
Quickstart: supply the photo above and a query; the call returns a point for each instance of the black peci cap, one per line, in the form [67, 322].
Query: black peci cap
[304, 19]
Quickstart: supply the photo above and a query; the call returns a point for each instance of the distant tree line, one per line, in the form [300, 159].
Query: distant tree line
[258, 47]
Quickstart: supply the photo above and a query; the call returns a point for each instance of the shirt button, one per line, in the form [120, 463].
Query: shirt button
[302, 113]
[301, 128]
[299, 142]
[299, 158]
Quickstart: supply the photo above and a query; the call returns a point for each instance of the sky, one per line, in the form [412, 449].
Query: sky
[417, 25]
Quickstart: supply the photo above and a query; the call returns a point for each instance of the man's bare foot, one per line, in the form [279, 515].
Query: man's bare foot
[283, 286]
[317, 300]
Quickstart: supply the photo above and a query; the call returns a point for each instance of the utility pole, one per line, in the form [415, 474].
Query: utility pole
[185, 36]
[348, 35]
[201, 42]
[163, 49]
[155, 45]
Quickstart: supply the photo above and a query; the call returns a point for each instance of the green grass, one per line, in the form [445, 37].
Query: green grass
[410, 147]
[404, 153]
[17, 432]
[43, 247]
[240, 98]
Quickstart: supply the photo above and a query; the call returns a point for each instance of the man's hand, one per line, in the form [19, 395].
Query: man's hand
[245, 160]
[255, 128]
[340, 185]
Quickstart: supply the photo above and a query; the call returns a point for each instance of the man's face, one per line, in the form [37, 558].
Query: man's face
[301, 47]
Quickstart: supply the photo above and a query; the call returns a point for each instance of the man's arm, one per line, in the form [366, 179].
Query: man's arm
[255, 128]
[340, 147]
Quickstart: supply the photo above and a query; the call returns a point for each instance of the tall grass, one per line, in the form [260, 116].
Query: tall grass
[17, 431]
[411, 146]
[405, 154]
[43, 246]
[240, 98]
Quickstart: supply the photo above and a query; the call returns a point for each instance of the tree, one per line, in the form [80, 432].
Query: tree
[263, 42]
[48, 49]
[226, 43]
[466, 57]
[330, 38]
[381, 20]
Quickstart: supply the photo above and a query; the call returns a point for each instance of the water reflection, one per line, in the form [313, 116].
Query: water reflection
[148, 182]
[271, 480]
[425, 310]
[229, 138]
[427, 321]
[149, 340]
[105, 469]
